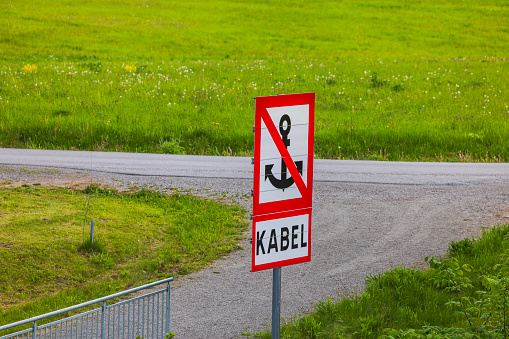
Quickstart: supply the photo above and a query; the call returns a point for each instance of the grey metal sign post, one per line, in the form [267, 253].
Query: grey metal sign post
[282, 192]
[276, 302]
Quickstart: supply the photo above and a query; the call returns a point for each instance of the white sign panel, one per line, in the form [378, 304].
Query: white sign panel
[276, 183]
[283, 239]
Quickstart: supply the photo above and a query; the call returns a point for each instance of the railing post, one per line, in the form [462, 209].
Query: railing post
[168, 308]
[103, 320]
[34, 329]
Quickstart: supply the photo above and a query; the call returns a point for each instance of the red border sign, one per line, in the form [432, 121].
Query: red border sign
[261, 113]
[282, 205]
[281, 239]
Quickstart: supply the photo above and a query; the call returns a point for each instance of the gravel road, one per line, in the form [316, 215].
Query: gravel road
[363, 223]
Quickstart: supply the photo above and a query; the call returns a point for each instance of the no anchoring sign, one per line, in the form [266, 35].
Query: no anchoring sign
[283, 180]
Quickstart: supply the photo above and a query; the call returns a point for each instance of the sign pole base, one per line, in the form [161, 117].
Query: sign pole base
[276, 302]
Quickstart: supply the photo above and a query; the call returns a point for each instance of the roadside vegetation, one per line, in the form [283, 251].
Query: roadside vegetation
[463, 295]
[398, 80]
[47, 261]
[394, 80]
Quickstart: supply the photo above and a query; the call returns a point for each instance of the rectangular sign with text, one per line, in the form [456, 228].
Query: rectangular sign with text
[281, 239]
[283, 180]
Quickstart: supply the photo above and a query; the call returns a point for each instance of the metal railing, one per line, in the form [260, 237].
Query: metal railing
[146, 316]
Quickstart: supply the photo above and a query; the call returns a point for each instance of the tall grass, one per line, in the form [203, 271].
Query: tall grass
[395, 80]
[440, 110]
[416, 303]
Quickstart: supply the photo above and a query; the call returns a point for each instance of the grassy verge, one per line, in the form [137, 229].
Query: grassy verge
[462, 296]
[398, 80]
[445, 110]
[47, 263]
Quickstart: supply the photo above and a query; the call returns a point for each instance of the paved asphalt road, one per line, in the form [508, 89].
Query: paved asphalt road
[367, 217]
[240, 168]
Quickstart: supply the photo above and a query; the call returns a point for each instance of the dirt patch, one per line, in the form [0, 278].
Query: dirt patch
[16, 176]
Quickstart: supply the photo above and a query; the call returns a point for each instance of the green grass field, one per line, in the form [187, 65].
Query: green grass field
[394, 80]
[47, 262]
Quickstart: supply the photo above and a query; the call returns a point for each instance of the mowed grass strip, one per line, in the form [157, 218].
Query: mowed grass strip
[215, 30]
[47, 263]
[398, 80]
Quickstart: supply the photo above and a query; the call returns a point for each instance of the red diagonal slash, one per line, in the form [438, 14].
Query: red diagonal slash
[284, 152]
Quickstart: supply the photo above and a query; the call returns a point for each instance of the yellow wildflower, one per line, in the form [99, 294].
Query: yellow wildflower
[30, 68]
[130, 68]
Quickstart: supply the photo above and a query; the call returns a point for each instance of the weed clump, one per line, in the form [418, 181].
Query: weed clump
[91, 247]
[96, 189]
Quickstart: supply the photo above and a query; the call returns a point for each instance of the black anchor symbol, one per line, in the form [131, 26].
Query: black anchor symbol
[284, 182]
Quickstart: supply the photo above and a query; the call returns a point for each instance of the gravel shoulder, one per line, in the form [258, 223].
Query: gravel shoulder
[359, 229]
